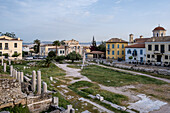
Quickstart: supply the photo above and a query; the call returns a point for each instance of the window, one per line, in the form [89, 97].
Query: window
[129, 51]
[118, 46]
[141, 52]
[113, 46]
[60, 52]
[166, 56]
[117, 52]
[0, 53]
[156, 48]
[148, 56]
[122, 52]
[108, 46]
[162, 34]
[153, 56]
[6, 45]
[112, 57]
[113, 52]
[122, 45]
[108, 52]
[169, 47]
[150, 47]
[15, 45]
[108, 57]
[157, 34]
[0, 46]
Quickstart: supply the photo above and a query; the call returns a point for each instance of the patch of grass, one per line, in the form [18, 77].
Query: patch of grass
[16, 109]
[95, 89]
[110, 77]
[73, 66]
[149, 73]
[80, 84]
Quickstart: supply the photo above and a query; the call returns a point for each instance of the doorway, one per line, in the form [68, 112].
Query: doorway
[159, 57]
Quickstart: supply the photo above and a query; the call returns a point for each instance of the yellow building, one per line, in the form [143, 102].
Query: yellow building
[10, 46]
[115, 48]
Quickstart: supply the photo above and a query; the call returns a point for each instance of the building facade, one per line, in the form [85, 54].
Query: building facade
[115, 49]
[10, 46]
[158, 48]
[135, 53]
[73, 45]
[45, 49]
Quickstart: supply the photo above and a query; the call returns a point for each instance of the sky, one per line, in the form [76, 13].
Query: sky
[50, 20]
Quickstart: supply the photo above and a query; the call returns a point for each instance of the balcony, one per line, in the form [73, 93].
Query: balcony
[157, 52]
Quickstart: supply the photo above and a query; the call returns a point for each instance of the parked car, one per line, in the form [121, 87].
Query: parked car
[29, 58]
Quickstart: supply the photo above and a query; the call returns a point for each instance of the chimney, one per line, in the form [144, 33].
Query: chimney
[141, 36]
[131, 38]
[153, 39]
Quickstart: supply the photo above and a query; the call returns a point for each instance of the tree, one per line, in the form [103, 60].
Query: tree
[48, 61]
[93, 46]
[52, 54]
[73, 56]
[102, 47]
[37, 46]
[56, 43]
[62, 42]
[6, 55]
[59, 58]
[16, 54]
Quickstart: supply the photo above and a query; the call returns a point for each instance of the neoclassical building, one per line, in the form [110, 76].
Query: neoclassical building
[115, 49]
[9, 45]
[158, 47]
[72, 45]
[45, 49]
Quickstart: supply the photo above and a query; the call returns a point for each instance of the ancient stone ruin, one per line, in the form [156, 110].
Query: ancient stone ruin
[20, 88]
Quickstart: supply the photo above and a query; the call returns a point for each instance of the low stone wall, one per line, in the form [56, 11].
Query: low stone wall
[144, 69]
[10, 93]
[39, 103]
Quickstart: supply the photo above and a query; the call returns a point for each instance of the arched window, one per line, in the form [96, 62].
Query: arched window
[162, 34]
[157, 34]
[129, 51]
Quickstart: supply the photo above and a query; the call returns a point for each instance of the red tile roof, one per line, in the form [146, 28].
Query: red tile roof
[159, 28]
[136, 46]
[96, 52]
[116, 40]
[141, 40]
[159, 39]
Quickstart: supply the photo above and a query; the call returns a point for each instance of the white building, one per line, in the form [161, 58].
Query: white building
[137, 52]
[45, 49]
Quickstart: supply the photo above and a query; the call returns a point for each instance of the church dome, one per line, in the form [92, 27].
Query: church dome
[159, 28]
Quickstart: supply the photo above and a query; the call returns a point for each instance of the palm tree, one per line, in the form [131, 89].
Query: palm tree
[37, 42]
[56, 43]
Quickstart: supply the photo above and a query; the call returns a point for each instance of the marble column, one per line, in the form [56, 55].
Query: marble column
[55, 100]
[2, 61]
[39, 82]
[22, 76]
[4, 67]
[44, 87]
[33, 81]
[11, 70]
[9, 62]
[18, 77]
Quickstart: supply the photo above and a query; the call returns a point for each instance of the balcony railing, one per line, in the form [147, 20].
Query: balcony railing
[157, 52]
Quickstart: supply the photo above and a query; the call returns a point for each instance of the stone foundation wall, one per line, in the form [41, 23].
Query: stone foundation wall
[10, 93]
[39, 103]
[145, 69]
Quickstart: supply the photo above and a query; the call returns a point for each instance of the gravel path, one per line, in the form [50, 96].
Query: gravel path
[97, 105]
[71, 72]
[134, 73]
